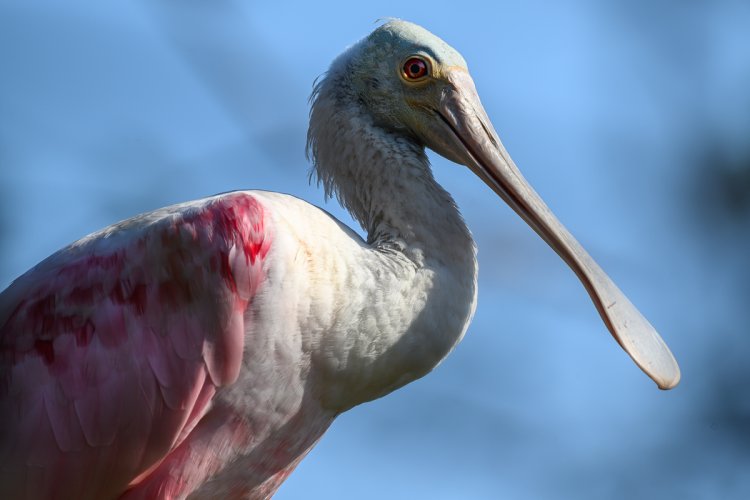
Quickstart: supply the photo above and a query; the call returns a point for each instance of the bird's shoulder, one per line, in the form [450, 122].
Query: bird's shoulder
[166, 246]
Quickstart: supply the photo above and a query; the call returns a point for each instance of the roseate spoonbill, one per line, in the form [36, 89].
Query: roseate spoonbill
[202, 349]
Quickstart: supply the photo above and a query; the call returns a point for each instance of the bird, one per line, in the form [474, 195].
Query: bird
[201, 350]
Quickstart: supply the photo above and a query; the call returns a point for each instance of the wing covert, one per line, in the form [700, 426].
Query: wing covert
[111, 349]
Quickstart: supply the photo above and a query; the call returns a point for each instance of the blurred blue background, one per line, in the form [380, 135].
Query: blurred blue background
[631, 118]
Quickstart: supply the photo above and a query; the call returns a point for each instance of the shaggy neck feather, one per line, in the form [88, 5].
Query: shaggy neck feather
[383, 178]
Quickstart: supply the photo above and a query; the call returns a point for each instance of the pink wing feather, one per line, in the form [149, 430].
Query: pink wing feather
[111, 349]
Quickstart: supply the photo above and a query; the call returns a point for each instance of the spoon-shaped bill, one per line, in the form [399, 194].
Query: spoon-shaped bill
[478, 146]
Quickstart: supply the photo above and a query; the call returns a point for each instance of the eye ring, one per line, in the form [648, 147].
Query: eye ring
[415, 68]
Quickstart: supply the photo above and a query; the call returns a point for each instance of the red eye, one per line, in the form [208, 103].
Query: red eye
[415, 68]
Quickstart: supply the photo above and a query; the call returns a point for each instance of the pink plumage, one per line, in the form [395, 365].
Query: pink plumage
[113, 347]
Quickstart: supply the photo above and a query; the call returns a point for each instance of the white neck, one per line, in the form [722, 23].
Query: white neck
[422, 256]
[383, 178]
